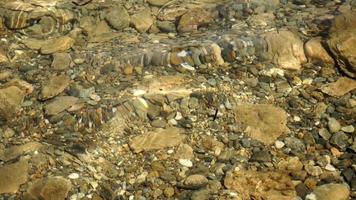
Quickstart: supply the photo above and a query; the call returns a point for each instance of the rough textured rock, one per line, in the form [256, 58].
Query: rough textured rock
[54, 86]
[118, 17]
[288, 54]
[61, 61]
[10, 101]
[12, 176]
[260, 185]
[60, 104]
[53, 188]
[142, 21]
[316, 53]
[262, 122]
[342, 42]
[58, 44]
[193, 19]
[159, 139]
[15, 151]
[330, 192]
[339, 88]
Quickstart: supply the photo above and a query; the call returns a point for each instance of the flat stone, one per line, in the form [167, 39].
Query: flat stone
[52, 188]
[271, 185]
[13, 176]
[158, 139]
[262, 122]
[184, 151]
[142, 21]
[288, 54]
[61, 61]
[339, 88]
[10, 101]
[330, 192]
[59, 104]
[18, 150]
[58, 44]
[54, 86]
[118, 17]
[193, 19]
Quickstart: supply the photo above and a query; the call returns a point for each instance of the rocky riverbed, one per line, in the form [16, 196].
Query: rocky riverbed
[178, 99]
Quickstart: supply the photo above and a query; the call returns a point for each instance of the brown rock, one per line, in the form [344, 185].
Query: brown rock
[193, 19]
[3, 57]
[58, 44]
[54, 86]
[342, 42]
[195, 181]
[339, 88]
[260, 185]
[184, 151]
[330, 192]
[118, 17]
[53, 188]
[13, 176]
[290, 164]
[158, 139]
[262, 122]
[61, 61]
[316, 53]
[142, 21]
[288, 54]
[21, 84]
[16, 151]
[10, 101]
[60, 104]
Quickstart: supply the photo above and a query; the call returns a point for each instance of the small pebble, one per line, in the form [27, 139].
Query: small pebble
[348, 129]
[279, 144]
[73, 176]
[186, 162]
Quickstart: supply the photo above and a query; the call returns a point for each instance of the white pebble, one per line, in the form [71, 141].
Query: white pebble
[297, 119]
[186, 162]
[178, 116]
[279, 144]
[330, 168]
[73, 176]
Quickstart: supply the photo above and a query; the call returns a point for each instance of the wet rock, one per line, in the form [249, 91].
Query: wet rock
[118, 17]
[261, 156]
[272, 185]
[52, 188]
[316, 53]
[12, 176]
[339, 88]
[16, 151]
[3, 57]
[61, 61]
[166, 26]
[59, 104]
[195, 181]
[302, 190]
[287, 55]
[333, 125]
[184, 151]
[193, 19]
[342, 42]
[290, 164]
[330, 192]
[54, 86]
[340, 140]
[201, 194]
[158, 139]
[348, 129]
[296, 145]
[58, 44]
[10, 101]
[142, 21]
[262, 122]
